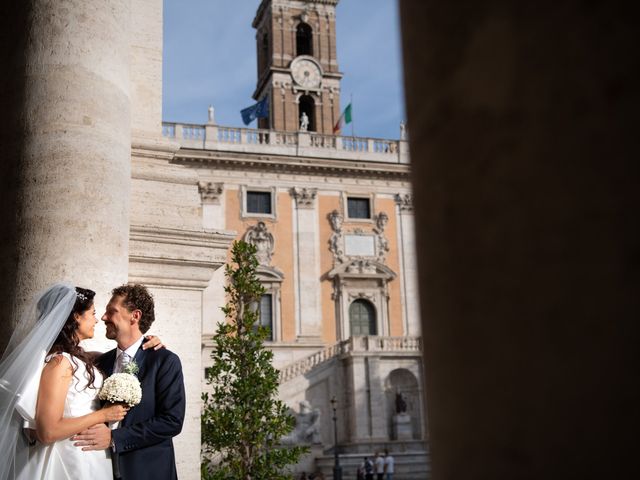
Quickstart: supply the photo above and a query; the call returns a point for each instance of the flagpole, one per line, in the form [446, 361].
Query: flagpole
[352, 122]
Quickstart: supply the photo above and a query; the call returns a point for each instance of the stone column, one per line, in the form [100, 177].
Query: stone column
[307, 272]
[379, 419]
[408, 266]
[358, 399]
[64, 143]
[524, 121]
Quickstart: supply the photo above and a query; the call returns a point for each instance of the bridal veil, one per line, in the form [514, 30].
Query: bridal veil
[20, 370]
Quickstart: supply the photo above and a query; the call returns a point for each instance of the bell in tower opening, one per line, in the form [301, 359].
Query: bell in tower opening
[297, 64]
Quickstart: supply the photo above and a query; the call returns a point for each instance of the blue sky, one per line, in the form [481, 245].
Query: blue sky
[210, 58]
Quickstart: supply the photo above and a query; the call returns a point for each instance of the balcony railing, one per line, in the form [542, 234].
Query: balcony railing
[301, 144]
[365, 345]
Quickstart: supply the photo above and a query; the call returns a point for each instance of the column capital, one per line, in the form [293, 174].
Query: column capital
[404, 201]
[305, 197]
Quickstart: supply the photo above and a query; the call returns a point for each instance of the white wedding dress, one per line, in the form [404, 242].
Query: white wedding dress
[61, 460]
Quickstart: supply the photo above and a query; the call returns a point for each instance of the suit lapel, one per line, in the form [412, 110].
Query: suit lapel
[139, 358]
[106, 362]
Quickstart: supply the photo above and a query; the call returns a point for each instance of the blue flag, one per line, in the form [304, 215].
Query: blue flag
[259, 110]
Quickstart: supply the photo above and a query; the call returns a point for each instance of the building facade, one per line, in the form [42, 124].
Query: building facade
[332, 219]
[331, 214]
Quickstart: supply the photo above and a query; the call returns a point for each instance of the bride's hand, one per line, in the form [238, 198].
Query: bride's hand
[152, 341]
[114, 412]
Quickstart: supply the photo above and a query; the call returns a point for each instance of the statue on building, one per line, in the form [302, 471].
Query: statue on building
[307, 429]
[403, 131]
[210, 113]
[401, 403]
[402, 426]
[304, 122]
[336, 219]
[382, 219]
[260, 236]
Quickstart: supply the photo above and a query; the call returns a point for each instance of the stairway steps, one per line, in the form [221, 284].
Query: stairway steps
[408, 465]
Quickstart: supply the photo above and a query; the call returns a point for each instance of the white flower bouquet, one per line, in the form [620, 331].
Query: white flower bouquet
[121, 388]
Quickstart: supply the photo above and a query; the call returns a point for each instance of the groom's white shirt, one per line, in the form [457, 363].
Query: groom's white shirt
[131, 351]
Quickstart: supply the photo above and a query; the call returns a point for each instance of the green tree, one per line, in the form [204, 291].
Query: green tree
[243, 419]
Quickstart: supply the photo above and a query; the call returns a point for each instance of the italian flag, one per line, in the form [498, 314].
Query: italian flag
[343, 120]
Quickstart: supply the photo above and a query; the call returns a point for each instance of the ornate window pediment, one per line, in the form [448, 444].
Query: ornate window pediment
[269, 274]
[359, 267]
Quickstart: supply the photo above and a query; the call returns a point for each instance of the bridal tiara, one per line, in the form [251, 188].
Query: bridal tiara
[81, 296]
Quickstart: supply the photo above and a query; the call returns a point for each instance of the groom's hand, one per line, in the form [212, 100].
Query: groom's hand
[97, 437]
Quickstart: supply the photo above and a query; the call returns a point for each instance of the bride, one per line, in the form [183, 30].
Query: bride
[48, 392]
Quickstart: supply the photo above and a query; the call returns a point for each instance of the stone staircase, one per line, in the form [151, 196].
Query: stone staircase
[321, 368]
[411, 460]
[306, 364]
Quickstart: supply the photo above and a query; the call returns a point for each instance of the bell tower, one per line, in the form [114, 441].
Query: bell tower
[297, 64]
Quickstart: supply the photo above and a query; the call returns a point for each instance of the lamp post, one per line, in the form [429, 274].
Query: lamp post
[337, 469]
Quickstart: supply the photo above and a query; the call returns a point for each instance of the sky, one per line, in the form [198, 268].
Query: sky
[210, 58]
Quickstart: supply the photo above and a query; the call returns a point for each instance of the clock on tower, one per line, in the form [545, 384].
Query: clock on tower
[297, 64]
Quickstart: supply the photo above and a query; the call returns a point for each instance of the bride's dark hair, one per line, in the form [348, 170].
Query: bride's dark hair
[68, 341]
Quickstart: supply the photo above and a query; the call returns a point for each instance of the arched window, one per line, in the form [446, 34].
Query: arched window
[362, 317]
[304, 39]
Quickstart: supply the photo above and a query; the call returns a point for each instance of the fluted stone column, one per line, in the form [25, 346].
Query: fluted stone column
[525, 147]
[64, 147]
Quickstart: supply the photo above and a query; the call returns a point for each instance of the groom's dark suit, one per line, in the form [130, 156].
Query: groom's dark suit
[143, 441]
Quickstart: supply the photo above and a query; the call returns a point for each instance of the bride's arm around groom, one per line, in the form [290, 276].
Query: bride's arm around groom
[142, 445]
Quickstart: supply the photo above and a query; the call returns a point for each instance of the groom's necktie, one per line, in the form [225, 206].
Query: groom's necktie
[123, 361]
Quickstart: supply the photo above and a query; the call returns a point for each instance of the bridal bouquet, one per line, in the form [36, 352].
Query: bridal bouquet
[122, 387]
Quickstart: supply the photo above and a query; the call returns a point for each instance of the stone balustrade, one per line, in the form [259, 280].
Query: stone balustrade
[354, 345]
[300, 144]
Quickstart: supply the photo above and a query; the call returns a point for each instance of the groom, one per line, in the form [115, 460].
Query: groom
[142, 445]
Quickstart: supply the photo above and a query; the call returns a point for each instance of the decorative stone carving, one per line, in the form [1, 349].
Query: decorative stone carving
[381, 222]
[210, 192]
[260, 236]
[367, 296]
[307, 429]
[382, 219]
[353, 245]
[336, 241]
[305, 197]
[210, 115]
[361, 266]
[336, 219]
[405, 202]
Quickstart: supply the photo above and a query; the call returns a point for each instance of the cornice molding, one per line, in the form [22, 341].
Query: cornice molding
[291, 164]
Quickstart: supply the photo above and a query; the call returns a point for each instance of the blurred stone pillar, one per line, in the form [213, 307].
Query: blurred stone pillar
[524, 146]
[65, 146]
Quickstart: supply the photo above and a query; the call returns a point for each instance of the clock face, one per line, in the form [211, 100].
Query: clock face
[306, 73]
